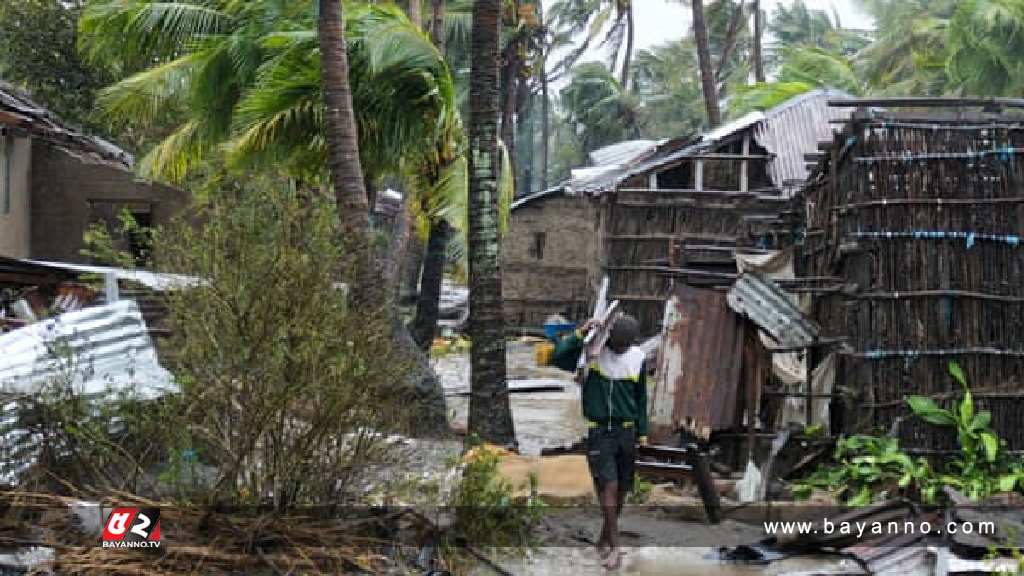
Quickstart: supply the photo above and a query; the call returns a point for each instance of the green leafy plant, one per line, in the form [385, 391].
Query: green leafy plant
[980, 468]
[868, 468]
[486, 511]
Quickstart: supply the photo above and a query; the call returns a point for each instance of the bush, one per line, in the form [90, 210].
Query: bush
[283, 389]
[485, 511]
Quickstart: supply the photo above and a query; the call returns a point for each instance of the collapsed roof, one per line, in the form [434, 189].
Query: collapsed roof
[19, 112]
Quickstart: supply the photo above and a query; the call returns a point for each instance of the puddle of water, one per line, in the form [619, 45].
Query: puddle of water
[668, 561]
[541, 419]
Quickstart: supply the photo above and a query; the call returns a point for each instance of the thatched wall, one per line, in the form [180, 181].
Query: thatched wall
[921, 221]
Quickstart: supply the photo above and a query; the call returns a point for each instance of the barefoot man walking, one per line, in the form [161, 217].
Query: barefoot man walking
[614, 397]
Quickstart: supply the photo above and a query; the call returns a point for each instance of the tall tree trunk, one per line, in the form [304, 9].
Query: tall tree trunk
[490, 415]
[510, 86]
[437, 30]
[627, 59]
[545, 129]
[353, 208]
[415, 15]
[343, 152]
[424, 326]
[545, 105]
[707, 73]
[758, 58]
[731, 35]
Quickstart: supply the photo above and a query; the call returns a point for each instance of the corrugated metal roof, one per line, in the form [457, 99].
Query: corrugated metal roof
[621, 153]
[528, 199]
[771, 309]
[99, 349]
[788, 131]
[793, 129]
[699, 365]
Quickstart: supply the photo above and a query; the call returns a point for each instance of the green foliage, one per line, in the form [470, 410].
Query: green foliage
[286, 391]
[866, 467]
[103, 248]
[486, 513]
[246, 75]
[598, 108]
[38, 53]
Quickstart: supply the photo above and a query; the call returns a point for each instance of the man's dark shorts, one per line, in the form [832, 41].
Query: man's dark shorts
[611, 455]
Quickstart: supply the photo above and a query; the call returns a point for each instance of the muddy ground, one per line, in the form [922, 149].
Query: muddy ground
[656, 543]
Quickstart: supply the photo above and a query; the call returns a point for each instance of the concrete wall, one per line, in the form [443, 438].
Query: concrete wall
[15, 225]
[547, 256]
[66, 190]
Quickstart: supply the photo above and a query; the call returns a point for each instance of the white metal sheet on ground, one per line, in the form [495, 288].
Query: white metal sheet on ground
[97, 349]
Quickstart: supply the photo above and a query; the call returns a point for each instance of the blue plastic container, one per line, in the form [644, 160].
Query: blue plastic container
[552, 331]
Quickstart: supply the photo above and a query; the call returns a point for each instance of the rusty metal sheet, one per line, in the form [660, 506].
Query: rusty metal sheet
[699, 366]
[772, 309]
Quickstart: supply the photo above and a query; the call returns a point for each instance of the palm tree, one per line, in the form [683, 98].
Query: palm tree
[343, 152]
[986, 39]
[707, 73]
[610, 20]
[667, 81]
[598, 107]
[910, 49]
[490, 414]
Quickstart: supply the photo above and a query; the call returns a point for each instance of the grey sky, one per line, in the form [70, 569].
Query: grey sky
[659, 21]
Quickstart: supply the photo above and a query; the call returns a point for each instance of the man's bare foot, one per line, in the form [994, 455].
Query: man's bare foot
[614, 560]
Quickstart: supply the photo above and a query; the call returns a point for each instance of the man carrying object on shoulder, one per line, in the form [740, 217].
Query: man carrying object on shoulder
[614, 398]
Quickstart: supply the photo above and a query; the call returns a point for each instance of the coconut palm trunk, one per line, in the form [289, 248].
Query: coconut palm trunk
[424, 324]
[361, 271]
[343, 152]
[490, 415]
[707, 72]
[627, 59]
[756, 53]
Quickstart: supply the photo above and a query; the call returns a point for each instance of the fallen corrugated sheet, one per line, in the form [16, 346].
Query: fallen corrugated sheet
[699, 365]
[97, 349]
[771, 309]
[152, 280]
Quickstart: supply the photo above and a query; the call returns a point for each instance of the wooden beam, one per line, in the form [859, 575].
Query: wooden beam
[926, 102]
[743, 164]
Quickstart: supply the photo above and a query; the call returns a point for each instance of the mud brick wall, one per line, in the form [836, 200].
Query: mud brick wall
[547, 257]
[66, 191]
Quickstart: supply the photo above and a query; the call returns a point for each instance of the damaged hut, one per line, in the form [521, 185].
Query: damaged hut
[650, 212]
[918, 216]
[55, 181]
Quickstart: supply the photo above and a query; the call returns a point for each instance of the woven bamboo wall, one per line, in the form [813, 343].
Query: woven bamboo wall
[922, 220]
[640, 229]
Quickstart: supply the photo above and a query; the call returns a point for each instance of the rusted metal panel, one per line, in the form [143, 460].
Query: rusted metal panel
[699, 366]
[772, 309]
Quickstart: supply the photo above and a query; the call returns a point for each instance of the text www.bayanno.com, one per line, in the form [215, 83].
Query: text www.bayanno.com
[863, 529]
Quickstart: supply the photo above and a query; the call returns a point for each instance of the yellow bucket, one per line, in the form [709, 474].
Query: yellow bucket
[543, 351]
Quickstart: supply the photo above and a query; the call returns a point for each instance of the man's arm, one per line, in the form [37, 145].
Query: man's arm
[567, 352]
[641, 401]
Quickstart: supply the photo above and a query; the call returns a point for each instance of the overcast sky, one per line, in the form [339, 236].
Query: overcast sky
[659, 21]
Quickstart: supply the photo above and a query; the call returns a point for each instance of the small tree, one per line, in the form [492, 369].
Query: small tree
[285, 390]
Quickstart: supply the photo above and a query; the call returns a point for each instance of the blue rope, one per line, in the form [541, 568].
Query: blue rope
[970, 238]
